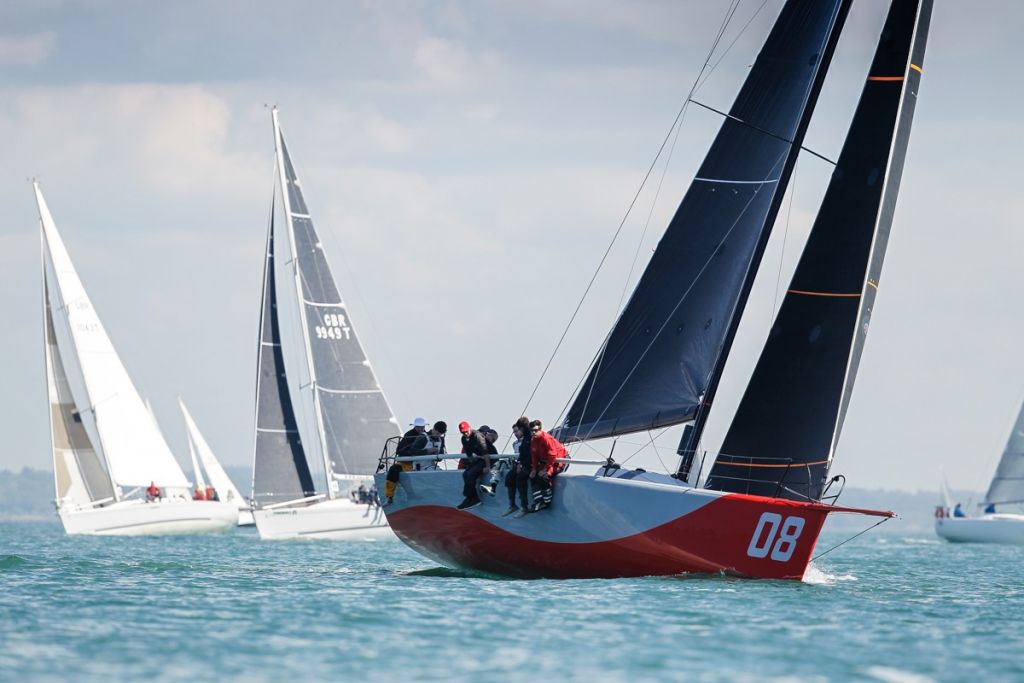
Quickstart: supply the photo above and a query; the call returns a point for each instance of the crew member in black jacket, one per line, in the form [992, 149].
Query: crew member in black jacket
[474, 447]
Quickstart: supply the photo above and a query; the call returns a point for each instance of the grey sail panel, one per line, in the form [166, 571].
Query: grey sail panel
[660, 356]
[355, 415]
[1008, 483]
[782, 437]
[280, 469]
[80, 474]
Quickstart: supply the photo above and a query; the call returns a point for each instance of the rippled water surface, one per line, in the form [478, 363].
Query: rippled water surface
[887, 606]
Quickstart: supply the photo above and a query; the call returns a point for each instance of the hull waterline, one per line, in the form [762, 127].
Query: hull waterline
[607, 527]
[338, 519]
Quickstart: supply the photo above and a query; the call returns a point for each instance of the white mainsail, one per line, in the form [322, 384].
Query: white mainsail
[219, 479]
[106, 400]
[1008, 483]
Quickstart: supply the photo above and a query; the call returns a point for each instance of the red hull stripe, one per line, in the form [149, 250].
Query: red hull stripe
[718, 537]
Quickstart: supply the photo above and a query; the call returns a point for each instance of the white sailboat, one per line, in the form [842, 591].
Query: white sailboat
[107, 449]
[338, 394]
[200, 451]
[1006, 490]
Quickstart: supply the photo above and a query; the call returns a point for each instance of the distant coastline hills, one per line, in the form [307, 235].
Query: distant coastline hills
[28, 494]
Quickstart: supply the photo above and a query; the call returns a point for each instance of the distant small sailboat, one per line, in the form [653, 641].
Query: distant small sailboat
[107, 448]
[349, 414]
[200, 451]
[1007, 489]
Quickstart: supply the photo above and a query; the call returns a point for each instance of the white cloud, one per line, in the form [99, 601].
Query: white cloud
[29, 50]
[172, 138]
[442, 61]
[447, 64]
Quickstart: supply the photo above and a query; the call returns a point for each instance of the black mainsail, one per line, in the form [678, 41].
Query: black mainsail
[783, 436]
[352, 415]
[280, 469]
[664, 352]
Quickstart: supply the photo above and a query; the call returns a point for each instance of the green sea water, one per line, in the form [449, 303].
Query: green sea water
[888, 606]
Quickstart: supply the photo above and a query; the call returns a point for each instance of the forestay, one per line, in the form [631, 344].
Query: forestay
[659, 357]
[1008, 483]
[782, 438]
[280, 469]
[130, 442]
[353, 416]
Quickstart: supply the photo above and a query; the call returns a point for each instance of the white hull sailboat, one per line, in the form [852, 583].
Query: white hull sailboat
[339, 519]
[1006, 490]
[107, 449]
[219, 480]
[141, 518]
[346, 416]
[1000, 527]
[760, 507]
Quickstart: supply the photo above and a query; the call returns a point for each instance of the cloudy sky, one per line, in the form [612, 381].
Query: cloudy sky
[467, 164]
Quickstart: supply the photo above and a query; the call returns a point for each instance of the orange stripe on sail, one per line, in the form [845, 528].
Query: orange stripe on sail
[872, 283]
[887, 79]
[916, 68]
[800, 291]
[748, 464]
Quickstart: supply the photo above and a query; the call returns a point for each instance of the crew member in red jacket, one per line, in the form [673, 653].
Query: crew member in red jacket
[544, 449]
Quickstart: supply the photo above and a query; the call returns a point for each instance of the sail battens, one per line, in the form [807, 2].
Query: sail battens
[841, 295]
[277, 431]
[263, 343]
[301, 215]
[886, 79]
[916, 68]
[787, 465]
[348, 391]
[323, 304]
[735, 182]
[796, 398]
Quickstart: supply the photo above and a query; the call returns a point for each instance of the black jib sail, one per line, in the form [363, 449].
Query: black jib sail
[659, 358]
[354, 417]
[280, 470]
[783, 436]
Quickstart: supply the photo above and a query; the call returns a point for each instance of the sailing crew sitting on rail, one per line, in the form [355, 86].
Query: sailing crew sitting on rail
[152, 492]
[198, 494]
[518, 476]
[490, 436]
[437, 434]
[990, 509]
[474, 447]
[413, 442]
[544, 450]
[435, 444]
[211, 493]
[957, 512]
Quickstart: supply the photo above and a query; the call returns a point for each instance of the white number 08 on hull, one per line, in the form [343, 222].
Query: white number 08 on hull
[775, 535]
